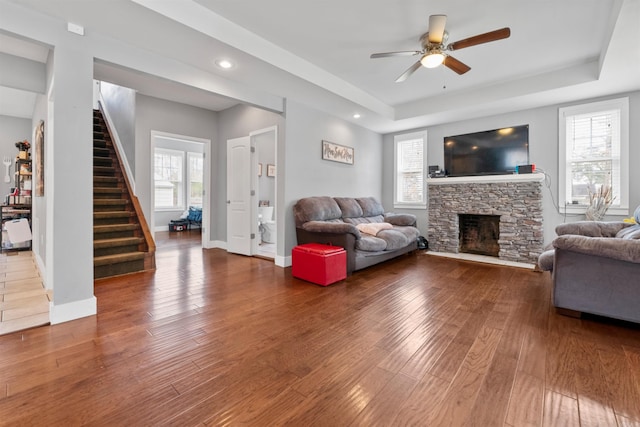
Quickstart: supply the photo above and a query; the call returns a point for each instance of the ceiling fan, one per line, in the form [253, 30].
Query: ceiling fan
[434, 47]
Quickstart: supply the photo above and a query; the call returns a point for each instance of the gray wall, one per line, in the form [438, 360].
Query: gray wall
[171, 117]
[307, 174]
[120, 103]
[12, 130]
[543, 152]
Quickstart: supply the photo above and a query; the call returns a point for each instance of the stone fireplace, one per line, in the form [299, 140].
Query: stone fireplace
[509, 208]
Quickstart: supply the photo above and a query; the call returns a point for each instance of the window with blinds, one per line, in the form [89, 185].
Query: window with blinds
[409, 188]
[592, 140]
[168, 178]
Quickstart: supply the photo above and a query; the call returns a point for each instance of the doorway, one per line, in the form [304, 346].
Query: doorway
[251, 194]
[179, 181]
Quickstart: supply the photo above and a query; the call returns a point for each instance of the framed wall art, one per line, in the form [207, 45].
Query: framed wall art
[337, 153]
[40, 160]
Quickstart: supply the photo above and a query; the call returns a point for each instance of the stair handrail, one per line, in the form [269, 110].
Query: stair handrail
[144, 226]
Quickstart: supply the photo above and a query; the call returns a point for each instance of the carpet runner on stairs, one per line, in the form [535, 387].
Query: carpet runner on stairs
[119, 242]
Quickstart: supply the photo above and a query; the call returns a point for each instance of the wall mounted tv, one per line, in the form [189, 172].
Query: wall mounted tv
[492, 152]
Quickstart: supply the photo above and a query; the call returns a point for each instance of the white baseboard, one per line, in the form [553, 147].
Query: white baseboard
[73, 310]
[219, 244]
[283, 261]
[41, 269]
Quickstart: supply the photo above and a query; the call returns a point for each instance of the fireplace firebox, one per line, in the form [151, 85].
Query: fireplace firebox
[479, 234]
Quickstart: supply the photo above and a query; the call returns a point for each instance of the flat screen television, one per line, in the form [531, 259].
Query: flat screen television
[491, 152]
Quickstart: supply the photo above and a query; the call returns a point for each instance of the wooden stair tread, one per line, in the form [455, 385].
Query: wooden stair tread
[112, 214]
[108, 190]
[114, 227]
[121, 241]
[118, 258]
[108, 202]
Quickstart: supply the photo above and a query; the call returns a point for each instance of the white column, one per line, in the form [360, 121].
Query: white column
[69, 203]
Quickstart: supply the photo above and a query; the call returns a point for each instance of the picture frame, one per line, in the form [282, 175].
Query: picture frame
[337, 153]
[259, 169]
[39, 169]
[271, 170]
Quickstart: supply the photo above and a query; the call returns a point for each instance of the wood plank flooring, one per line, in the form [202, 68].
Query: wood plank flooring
[24, 302]
[218, 339]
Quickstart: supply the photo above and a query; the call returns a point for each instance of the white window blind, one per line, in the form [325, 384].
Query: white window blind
[409, 168]
[593, 139]
[168, 177]
[196, 179]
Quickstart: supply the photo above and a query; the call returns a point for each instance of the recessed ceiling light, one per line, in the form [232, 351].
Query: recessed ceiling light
[356, 116]
[224, 63]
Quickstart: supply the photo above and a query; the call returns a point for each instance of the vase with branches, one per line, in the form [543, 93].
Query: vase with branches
[599, 202]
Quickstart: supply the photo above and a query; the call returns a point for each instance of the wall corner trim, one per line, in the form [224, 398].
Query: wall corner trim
[73, 310]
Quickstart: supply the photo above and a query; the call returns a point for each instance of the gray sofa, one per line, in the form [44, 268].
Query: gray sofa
[595, 267]
[339, 221]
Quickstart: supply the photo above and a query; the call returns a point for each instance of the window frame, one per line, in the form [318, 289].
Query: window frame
[397, 141]
[621, 206]
[181, 194]
[188, 180]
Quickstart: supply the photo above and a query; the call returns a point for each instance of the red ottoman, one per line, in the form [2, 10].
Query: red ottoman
[319, 264]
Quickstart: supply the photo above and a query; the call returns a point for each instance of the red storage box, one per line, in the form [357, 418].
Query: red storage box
[319, 264]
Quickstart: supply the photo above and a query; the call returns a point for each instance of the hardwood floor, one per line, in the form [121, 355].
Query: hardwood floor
[218, 339]
[24, 302]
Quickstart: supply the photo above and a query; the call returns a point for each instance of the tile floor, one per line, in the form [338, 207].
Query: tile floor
[24, 303]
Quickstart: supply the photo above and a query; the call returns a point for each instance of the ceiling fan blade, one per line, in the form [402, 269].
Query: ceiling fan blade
[455, 65]
[436, 28]
[400, 53]
[409, 71]
[491, 36]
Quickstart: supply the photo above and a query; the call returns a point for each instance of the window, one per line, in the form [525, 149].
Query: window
[409, 182]
[593, 152]
[196, 179]
[168, 177]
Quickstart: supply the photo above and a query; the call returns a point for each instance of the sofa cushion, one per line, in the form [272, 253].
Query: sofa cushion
[400, 219]
[316, 209]
[330, 227]
[349, 207]
[370, 206]
[364, 220]
[373, 228]
[410, 232]
[370, 243]
[394, 238]
[591, 228]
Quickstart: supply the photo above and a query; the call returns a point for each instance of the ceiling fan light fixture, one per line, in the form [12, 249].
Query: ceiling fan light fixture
[432, 59]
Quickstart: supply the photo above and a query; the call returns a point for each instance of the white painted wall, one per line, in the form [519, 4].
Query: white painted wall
[70, 205]
[543, 152]
[25, 74]
[120, 102]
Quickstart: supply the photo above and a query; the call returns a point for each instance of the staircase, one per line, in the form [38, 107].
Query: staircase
[122, 243]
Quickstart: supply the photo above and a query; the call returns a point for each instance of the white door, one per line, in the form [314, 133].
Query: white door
[239, 197]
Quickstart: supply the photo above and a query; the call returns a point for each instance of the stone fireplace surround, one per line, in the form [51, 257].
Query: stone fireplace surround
[516, 199]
